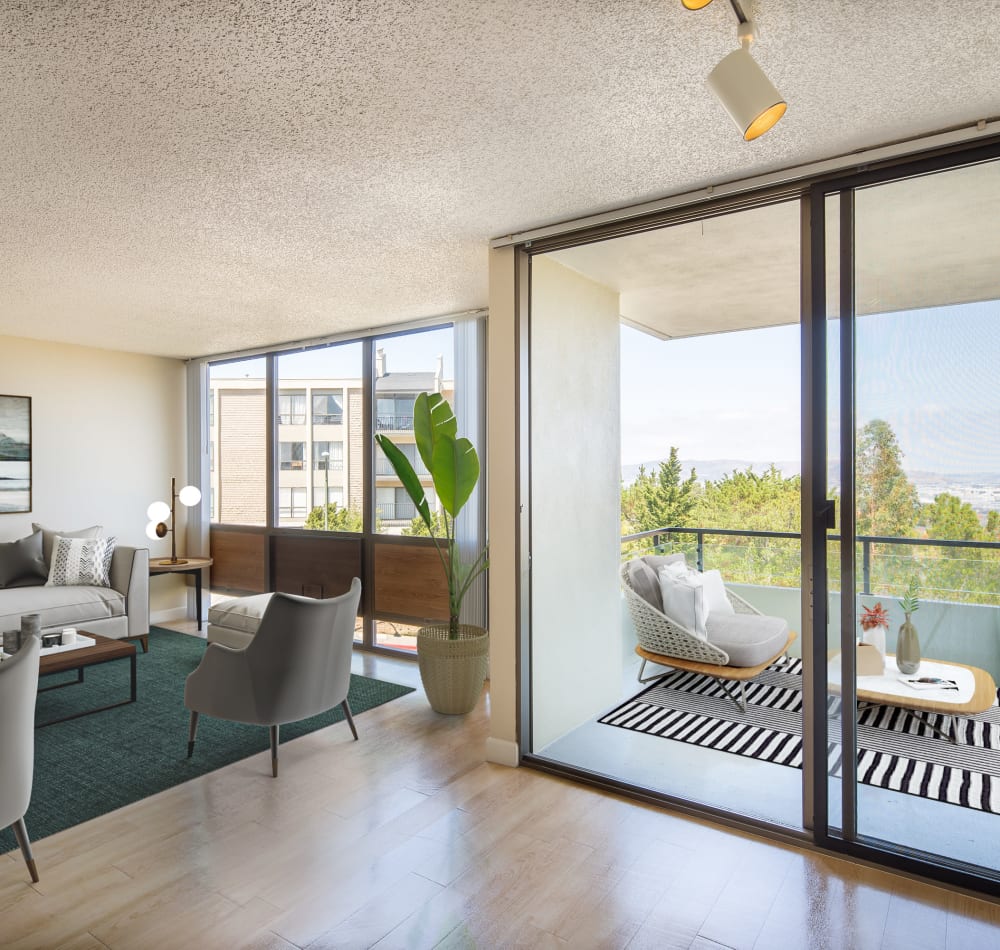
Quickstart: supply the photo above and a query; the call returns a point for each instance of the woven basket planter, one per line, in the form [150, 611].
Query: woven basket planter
[453, 671]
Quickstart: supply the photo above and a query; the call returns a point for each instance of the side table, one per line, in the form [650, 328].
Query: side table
[190, 565]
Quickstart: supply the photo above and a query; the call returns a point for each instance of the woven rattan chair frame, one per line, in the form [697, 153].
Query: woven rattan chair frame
[658, 633]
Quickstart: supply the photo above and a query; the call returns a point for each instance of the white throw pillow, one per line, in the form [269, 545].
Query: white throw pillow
[684, 599]
[716, 601]
[81, 562]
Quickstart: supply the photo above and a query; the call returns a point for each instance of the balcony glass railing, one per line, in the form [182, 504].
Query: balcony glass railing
[957, 571]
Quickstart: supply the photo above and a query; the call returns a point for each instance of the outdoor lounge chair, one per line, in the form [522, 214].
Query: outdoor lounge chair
[738, 646]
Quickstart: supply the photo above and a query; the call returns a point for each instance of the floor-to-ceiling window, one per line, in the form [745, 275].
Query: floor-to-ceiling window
[666, 423]
[878, 535]
[914, 443]
[302, 500]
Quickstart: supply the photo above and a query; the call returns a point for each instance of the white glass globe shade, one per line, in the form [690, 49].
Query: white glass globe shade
[151, 531]
[189, 495]
[157, 511]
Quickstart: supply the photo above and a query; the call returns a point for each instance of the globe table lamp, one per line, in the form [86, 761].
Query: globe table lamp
[159, 513]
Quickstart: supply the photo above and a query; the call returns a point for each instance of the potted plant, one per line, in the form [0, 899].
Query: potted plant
[452, 658]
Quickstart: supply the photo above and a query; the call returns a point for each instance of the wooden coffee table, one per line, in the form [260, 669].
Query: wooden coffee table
[918, 704]
[104, 650]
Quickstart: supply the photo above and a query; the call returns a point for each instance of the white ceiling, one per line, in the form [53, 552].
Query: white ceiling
[186, 178]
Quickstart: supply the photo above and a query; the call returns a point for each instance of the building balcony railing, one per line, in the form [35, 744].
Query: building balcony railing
[395, 511]
[947, 570]
[384, 423]
[384, 467]
[328, 419]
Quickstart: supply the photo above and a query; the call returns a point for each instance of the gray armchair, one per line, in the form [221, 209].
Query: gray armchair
[297, 665]
[18, 689]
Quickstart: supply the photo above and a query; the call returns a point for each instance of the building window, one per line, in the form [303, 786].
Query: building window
[336, 496]
[293, 455]
[292, 503]
[328, 409]
[292, 409]
[211, 408]
[332, 450]
[211, 456]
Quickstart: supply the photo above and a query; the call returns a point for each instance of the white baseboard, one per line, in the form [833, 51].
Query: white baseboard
[502, 752]
[163, 616]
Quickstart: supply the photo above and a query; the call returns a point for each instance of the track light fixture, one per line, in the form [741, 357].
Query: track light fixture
[740, 84]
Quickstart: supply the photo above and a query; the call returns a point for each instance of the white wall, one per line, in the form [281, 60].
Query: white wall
[575, 498]
[501, 507]
[108, 431]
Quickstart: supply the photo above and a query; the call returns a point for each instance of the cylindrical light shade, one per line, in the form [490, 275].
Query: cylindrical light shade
[158, 511]
[747, 94]
[189, 495]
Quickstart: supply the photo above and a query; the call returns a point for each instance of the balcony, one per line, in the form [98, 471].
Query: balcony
[384, 467]
[395, 511]
[388, 423]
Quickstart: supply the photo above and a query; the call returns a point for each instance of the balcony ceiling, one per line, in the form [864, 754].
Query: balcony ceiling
[184, 179]
[922, 242]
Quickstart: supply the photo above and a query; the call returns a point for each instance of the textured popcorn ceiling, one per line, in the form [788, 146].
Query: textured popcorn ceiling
[186, 177]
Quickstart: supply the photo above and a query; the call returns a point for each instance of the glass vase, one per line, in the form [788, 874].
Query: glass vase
[908, 648]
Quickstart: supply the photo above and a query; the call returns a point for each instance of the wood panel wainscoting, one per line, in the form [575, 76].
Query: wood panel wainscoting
[239, 559]
[315, 564]
[409, 582]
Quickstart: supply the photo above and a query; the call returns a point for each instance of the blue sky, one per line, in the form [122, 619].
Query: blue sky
[414, 352]
[934, 375]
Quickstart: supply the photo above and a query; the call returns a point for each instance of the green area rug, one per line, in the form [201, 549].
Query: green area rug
[92, 765]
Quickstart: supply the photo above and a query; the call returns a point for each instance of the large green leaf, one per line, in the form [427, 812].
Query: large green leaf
[401, 465]
[455, 471]
[432, 418]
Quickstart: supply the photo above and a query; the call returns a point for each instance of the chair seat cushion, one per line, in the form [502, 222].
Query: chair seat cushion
[240, 613]
[749, 639]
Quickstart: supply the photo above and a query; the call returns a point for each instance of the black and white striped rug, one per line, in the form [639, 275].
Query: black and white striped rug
[896, 750]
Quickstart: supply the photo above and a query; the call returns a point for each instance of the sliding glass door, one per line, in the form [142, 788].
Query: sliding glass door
[906, 514]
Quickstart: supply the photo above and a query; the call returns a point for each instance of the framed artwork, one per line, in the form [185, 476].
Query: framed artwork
[15, 454]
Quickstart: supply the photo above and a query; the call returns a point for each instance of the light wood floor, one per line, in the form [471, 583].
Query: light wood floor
[409, 839]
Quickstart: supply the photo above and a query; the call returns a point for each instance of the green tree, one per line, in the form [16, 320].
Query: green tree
[766, 502]
[337, 519]
[887, 502]
[746, 500]
[418, 527]
[993, 526]
[949, 518]
[659, 499]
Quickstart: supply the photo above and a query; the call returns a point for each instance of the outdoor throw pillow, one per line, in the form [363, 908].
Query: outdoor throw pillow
[21, 563]
[81, 562]
[716, 601]
[49, 537]
[684, 600]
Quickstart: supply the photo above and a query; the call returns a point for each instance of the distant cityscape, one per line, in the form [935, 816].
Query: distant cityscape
[980, 489]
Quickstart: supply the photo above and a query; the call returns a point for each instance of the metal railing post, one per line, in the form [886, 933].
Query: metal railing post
[866, 569]
[701, 550]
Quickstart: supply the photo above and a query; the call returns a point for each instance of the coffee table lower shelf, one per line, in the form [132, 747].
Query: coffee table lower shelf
[104, 650]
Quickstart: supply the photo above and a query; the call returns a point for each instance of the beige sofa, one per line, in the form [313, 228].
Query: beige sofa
[120, 611]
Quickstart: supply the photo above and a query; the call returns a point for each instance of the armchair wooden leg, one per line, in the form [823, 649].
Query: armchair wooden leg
[350, 719]
[24, 843]
[192, 732]
[274, 751]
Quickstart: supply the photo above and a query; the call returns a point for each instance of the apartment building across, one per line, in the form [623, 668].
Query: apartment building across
[321, 445]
